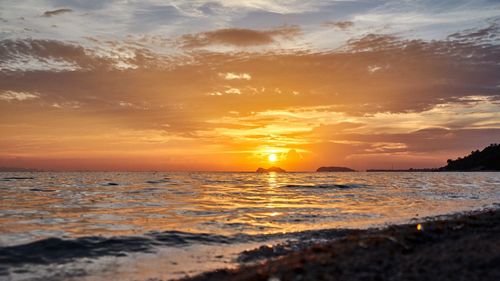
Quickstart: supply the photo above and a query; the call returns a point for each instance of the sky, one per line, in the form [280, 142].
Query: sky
[237, 85]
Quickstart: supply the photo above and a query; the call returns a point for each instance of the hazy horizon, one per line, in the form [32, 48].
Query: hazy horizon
[236, 85]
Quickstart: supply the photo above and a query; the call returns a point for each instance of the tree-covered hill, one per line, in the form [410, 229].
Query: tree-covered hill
[486, 160]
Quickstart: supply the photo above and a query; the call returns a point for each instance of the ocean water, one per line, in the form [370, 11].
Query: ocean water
[135, 226]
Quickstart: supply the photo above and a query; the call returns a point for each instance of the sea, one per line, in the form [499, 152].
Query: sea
[163, 225]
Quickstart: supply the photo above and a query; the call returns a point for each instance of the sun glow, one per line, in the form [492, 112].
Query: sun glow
[272, 158]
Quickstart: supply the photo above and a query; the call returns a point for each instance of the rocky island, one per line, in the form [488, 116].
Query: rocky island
[272, 169]
[334, 169]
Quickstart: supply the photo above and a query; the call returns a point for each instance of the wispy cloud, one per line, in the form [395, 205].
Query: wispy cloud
[342, 25]
[239, 37]
[18, 96]
[235, 91]
[56, 12]
[235, 76]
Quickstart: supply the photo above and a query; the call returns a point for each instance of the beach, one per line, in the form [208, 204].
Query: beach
[465, 246]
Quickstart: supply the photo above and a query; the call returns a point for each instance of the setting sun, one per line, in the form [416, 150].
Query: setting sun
[272, 158]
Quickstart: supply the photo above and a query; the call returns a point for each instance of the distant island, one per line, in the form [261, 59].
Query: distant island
[272, 169]
[335, 169]
[486, 160]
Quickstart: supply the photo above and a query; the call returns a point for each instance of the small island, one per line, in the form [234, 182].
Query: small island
[335, 169]
[271, 169]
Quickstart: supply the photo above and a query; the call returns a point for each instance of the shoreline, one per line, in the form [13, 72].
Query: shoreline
[464, 246]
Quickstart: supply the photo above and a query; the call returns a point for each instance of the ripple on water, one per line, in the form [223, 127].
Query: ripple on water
[187, 201]
[325, 185]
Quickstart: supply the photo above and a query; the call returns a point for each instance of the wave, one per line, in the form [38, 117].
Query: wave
[164, 180]
[110, 184]
[58, 250]
[18, 178]
[336, 186]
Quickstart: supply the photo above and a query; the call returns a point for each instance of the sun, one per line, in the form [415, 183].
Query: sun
[272, 157]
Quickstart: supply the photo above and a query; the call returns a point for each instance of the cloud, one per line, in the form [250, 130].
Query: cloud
[235, 76]
[374, 42]
[374, 68]
[489, 34]
[57, 56]
[429, 140]
[235, 91]
[18, 96]
[66, 105]
[408, 132]
[216, 93]
[147, 16]
[341, 25]
[239, 37]
[56, 12]
[45, 55]
[447, 86]
[415, 74]
[119, 19]
[293, 155]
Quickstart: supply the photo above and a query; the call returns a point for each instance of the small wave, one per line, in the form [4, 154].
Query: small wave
[42, 190]
[230, 181]
[57, 250]
[142, 190]
[164, 180]
[19, 178]
[337, 186]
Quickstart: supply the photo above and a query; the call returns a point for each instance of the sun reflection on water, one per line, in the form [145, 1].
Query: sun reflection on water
[83, 204]
[272, 179]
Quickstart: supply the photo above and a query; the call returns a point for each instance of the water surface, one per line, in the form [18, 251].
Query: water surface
[61, 219]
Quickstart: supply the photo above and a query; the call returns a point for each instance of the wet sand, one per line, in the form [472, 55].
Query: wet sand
[459, 247]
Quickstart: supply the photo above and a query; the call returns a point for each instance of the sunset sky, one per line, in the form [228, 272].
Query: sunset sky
[231, 85]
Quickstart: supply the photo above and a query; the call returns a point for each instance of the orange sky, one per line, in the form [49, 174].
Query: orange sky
[340, 90]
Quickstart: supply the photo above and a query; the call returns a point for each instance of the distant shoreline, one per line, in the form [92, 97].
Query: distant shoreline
[429, 171]
[405, 170]
[486, 160]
